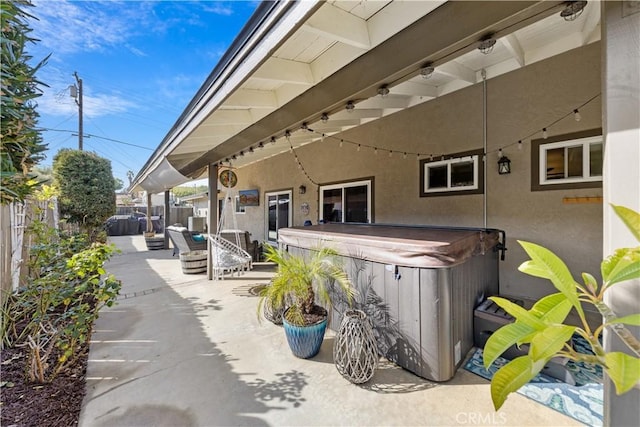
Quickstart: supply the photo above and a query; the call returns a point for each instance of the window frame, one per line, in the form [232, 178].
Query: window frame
[368, 182]
[478, 174]
[276, 193]
[239, 209]
[539, 148]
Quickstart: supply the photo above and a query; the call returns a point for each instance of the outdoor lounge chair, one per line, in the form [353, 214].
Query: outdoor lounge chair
[183, 240]
[242, 238]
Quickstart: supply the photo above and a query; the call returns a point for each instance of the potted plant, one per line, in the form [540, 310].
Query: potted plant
[299, 282]
[543, 327]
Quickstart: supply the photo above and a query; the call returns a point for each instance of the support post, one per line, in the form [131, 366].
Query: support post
[620, 25]
[167, 219]
[212, 213]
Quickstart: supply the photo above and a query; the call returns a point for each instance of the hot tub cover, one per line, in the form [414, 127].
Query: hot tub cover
[409, 246]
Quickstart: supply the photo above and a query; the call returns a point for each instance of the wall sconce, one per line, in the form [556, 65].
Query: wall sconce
[486, 44]
[302, 189]
[504, 164]
[350, 106]
[427, 70]
[572, 10]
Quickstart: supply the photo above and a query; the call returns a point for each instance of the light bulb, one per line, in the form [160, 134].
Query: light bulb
[576, 115]
[520, 145]
[358, 147]
[545, 135]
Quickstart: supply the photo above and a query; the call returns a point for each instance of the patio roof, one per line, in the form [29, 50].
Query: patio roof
[294, 62]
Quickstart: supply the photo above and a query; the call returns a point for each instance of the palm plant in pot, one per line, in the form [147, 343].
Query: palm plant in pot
[301, 288]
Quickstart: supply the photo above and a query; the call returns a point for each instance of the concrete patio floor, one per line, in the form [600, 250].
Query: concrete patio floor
[179, 350]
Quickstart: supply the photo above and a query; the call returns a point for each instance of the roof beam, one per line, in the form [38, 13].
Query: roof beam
[411, 88]
[515, 49]
[336, 24]
[250, 98]
[457, 71]
[590, 29]
[285, 71]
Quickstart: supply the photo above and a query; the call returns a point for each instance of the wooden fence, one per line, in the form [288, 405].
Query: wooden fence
[16, 219]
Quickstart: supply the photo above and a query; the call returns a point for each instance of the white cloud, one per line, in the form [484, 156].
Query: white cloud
[57, 101]
[67, 27]
[218, 9]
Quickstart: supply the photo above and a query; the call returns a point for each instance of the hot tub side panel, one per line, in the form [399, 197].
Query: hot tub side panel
[422, 317]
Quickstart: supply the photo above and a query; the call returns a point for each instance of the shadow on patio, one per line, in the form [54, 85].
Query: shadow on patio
[179, 350]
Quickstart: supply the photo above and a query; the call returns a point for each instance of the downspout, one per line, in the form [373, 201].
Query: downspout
[483, 73]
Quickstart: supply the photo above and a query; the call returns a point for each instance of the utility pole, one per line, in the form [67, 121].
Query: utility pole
[76, 92]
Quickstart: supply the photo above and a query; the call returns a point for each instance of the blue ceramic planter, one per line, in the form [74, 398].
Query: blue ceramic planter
[305, 341]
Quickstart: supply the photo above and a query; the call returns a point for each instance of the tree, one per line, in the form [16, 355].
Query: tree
[22, 145]
[87, 188]
[118, 183]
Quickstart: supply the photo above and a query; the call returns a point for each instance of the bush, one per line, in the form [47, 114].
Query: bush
[22, 145]
[87, 189]
[54, 313]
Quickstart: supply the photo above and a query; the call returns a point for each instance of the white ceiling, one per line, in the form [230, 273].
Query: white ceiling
[337, 33]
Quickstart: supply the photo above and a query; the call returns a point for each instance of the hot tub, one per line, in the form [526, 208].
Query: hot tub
[418, 285]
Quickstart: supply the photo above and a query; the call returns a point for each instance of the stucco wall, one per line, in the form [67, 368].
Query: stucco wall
[518, 104]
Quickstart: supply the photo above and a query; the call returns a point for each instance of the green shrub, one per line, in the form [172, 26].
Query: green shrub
[87, 189]
[22, 145]
[54, 312]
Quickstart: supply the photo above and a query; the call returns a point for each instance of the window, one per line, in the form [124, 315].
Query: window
[278, 205]
[459, 174]
[346, 202]
[239, 209]
[570, 161]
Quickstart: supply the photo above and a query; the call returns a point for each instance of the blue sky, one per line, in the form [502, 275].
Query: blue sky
[141, 62]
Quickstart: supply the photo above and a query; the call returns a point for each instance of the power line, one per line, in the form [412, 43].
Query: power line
[90, 135]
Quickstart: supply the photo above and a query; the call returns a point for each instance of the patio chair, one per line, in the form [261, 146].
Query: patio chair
[227, 257]
[242, 238]
[184, 240]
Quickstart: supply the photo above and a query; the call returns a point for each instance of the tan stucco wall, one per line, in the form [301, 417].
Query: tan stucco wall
[518, 104]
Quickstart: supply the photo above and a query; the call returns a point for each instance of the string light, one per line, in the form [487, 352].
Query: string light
[375, 151]
[273, 139]
[575, 112]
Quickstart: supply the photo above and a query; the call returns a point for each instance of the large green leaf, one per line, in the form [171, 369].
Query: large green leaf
[633, 319]
[510, 378]
[552, 308]
[502, 339]
[622, 265]
[547, 343]
[630, 217]
[624, 371]
[548, 265]
[519, 313]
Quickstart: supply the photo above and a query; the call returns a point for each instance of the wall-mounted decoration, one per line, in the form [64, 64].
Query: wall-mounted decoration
[304, 209]
[249, 198]
[228, 178]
